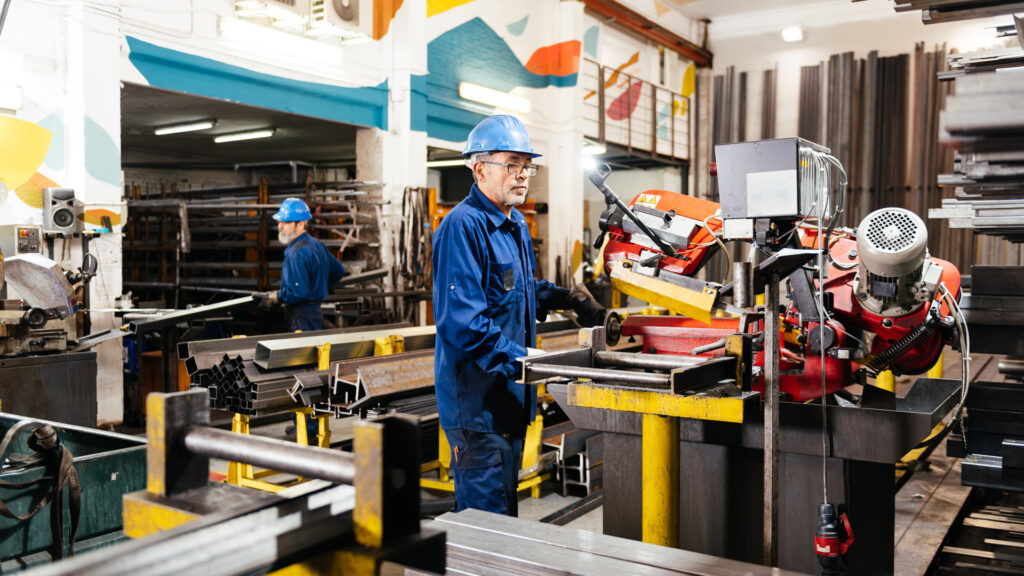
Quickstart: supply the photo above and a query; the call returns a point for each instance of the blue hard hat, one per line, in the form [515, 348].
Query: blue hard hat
[499, 133]
[293, 210]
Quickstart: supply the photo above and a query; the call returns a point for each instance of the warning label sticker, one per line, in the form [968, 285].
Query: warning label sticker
[649, 200]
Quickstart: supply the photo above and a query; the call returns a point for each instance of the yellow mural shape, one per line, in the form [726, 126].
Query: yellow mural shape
[23, 147]
[31, 192]
[660, 8]
[689, 80]
[435, 7]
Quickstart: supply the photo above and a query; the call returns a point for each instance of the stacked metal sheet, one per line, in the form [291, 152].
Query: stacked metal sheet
[984, 122]
[482, 543]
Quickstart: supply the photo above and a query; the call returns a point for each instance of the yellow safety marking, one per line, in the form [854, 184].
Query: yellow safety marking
[323, 356]
[142, 516]
[443, 485]
[156, 454]
[382, 346]
[936, 370]
[690, 303]
[651, 402]
[660, 487]
[368, 442]
[397, 344]
[886, 380]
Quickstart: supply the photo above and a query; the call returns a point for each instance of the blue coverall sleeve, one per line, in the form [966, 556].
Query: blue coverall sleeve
[461, 304]
[336, 273]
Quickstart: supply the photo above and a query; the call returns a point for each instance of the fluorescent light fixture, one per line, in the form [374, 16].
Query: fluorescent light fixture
[593, 148]
[249, 135]
[185, 127]
[446, 163]
[792, 34]
[494, 98]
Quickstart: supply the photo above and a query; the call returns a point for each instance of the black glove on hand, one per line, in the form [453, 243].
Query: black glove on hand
[265, 299]
[589, 312]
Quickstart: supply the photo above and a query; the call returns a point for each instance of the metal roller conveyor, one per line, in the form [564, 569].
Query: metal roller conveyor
[650, 361]
[597, 374]
[289, 457]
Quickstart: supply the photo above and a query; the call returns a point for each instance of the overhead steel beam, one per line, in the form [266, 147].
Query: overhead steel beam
[643, 26]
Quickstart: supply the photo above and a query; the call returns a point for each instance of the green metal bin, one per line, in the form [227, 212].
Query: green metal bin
[109, 465]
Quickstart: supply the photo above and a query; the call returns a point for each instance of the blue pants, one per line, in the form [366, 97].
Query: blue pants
[486, 470]
[306, 316]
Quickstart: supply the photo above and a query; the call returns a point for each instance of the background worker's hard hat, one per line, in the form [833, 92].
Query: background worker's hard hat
[499, 133]
[293, 210]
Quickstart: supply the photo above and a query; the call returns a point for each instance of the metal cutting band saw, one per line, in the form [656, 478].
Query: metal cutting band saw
[733, 425]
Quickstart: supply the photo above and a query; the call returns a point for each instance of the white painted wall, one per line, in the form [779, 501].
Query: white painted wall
[753, 43]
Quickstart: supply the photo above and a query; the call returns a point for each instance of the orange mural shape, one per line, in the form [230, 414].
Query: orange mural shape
[560, 59]
[95, 217]
[383, 13]
[31, 192]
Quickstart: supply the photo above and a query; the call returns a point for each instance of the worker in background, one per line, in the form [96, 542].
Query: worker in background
[486, 304]
[309, 270]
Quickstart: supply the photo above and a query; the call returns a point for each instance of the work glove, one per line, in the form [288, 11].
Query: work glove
[589, 312]
[266, 299]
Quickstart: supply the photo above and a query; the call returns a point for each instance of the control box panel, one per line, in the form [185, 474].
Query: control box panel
[21, 239]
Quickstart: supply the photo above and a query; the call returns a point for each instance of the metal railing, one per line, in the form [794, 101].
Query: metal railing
[644, 118]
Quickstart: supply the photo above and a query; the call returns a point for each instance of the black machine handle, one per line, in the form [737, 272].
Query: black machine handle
[597, 176]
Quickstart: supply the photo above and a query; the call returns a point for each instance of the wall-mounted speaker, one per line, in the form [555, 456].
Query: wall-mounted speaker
[59, 210]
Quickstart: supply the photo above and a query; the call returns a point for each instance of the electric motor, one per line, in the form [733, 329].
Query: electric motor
[896, 275]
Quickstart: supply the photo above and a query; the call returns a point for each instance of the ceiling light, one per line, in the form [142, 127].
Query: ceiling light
[494, 98]
[593, 148]
[446, 163]
[250, 135]
[186, 127]
[588, 163]
[792, 34]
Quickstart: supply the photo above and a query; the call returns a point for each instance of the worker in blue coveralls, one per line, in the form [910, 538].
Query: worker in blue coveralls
[486, 303]
[309, 270]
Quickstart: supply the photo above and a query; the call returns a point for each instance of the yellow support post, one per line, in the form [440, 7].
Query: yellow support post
[660, 493]
[936, 370]
[237, 471]
[886, 381]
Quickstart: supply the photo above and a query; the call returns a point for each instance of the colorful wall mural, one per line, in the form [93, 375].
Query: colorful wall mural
[485, 42]
[175, 70]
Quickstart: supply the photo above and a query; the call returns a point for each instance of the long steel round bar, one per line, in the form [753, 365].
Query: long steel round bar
[652, 361]
[598, 374]
[309, 461]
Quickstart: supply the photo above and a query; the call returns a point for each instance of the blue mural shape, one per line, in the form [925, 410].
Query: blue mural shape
[590, 40]
[472, 52]
[518, 27]
[660, 122]
[173, 70]
[102, 156]
[54, 122]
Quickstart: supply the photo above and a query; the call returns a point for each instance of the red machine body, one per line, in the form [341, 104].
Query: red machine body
[620, 245]
[851, 325]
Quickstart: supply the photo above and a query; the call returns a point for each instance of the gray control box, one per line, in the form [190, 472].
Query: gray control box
[20, 239]
[763, 179]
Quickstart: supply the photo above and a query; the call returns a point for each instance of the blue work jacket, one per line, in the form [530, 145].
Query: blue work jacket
[309, 271]
[486, 305]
